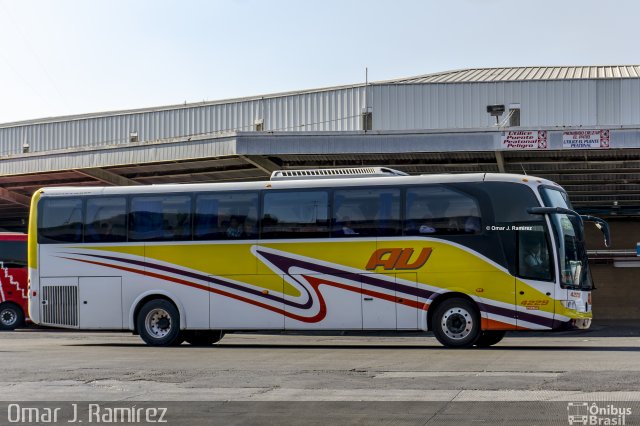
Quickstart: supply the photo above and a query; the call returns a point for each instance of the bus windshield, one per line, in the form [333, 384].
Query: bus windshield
[569, 235]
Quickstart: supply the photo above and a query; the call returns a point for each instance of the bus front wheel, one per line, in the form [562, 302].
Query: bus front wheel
[159, 323]
[456, 323]
[11, 316]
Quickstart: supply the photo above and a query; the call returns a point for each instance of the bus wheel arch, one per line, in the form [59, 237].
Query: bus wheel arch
[11, 316]
[462, 312]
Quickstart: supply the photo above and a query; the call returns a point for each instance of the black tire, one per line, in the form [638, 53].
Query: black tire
[456, 323]
[158, 323]
[203, 338]
[11, 316]
[490, 338]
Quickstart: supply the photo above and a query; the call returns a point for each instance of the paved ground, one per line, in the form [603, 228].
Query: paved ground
[42, 365]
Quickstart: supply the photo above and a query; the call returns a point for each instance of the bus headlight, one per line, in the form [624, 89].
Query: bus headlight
[569, 304]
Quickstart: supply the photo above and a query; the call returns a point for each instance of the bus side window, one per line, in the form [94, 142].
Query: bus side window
[166, 218]
[366, 212]
[60, 221]
[437, 209]
[106, 220]
[295, 214]
[226, 216]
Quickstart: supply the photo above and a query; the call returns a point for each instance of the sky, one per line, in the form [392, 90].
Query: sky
[68, 57]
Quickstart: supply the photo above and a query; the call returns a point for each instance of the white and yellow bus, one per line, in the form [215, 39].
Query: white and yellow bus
[466, 256]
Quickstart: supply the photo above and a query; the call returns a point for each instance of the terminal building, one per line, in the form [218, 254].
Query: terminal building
[578, 126]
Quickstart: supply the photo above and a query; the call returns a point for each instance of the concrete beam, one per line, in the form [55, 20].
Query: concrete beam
[14, 197]
[261, 163]
[500, 161]
[107, 177]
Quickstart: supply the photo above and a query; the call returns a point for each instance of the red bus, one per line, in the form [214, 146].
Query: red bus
[14, 295]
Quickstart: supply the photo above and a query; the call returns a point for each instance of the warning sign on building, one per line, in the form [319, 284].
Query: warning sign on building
[586, 139]
[527, 139]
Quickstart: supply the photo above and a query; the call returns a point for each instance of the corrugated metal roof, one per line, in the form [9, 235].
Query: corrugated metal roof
[483, 75]
[469, 75]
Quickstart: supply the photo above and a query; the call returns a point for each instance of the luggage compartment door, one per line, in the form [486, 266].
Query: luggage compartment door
[100, 301]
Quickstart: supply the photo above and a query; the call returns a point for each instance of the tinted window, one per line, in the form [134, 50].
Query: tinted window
[366, 212]
[511, 201]
[161, 218]
[60, 220]
[13, 254]
[440, 210]
[534, 260]
[295, 214]
[226, 216]
[106, 220]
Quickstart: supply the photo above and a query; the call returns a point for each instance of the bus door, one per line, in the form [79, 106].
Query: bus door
[391, 308]
[535, 285]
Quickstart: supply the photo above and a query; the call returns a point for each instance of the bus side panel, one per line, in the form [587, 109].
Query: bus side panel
[233, 309]
[14, 286]
[185, 269]
[100, 300]
[496, 294]
[100, 290]
[331, 307]
[319, 291]
[407, 315]
[188, 293]
[443, 267]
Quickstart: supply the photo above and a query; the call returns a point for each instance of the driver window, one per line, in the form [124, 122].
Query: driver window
[534, 259]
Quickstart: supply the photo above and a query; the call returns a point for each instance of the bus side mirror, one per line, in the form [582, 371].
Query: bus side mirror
[602, 225]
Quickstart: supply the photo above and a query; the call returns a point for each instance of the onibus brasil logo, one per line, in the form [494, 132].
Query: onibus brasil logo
[583, 413]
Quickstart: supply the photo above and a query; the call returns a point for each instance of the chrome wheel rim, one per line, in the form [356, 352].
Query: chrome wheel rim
[8, 317]
[457, 323]
[158, 323]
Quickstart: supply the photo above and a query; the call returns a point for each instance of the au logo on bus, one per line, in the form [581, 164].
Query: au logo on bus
[398, 259]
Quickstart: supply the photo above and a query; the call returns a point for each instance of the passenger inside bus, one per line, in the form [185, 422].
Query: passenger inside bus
[534, 257]
[472, 225]
[235, 228]
[437, 219]
[106, 228]
[347, 226]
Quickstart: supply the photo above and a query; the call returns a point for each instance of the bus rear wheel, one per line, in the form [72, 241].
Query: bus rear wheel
[203, 338]
[490, 338]
[456, 323]
[11, 316]
[158, 323]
